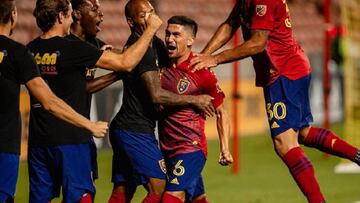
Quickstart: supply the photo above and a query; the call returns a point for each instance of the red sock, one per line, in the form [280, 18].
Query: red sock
[303, 173]
[152, 198]
[86, 198]
[168, 198]
[328, 142]
[117, 197]
[202, 200]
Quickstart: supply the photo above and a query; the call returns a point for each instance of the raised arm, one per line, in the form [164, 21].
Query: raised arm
[127, 60]
[50, 102]
[101, 82]
[255, 45]
[225, 31]
[223, 128]
[161, 96]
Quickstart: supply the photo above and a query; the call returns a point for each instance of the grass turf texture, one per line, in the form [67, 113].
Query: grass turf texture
[263, 178]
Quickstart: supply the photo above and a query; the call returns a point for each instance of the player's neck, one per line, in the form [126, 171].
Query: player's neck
[182, 58]
[56, 31]
[78, 31]
[5, 29]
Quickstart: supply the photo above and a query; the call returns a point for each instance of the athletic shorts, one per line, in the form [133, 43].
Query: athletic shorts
[184, 172]
[136, 157]
[94, 165]
[288, 104]
[67, 166]
[9, 167]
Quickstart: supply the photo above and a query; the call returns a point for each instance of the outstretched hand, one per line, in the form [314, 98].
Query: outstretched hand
[201, 61]
[99, 129]
[204, 103]
[225, 158]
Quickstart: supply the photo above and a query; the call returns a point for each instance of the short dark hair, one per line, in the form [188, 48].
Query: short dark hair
[6, 7]
[47, 12]
[76, 4]
[184, 21]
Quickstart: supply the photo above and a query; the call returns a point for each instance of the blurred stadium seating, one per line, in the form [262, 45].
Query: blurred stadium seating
[209, 14]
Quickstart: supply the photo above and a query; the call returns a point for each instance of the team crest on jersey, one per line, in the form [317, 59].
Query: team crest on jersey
[261, 10]
[162, 165]
[183, 85]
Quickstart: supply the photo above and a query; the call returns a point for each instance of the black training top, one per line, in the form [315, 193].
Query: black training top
[62, 62]
[90, 71]
[138, 113]
[16, 66]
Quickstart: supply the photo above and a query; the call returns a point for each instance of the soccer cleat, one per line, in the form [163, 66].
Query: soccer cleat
[357, 158]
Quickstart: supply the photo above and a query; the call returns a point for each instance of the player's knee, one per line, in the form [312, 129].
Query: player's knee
[285, 141]
[303, 132]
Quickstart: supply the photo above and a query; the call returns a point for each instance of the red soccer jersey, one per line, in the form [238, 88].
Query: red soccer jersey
[282, 56]
[181, 129]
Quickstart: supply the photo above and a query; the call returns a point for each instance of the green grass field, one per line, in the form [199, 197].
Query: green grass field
[263, 178]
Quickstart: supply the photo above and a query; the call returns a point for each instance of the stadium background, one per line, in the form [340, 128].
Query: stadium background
[258, 160]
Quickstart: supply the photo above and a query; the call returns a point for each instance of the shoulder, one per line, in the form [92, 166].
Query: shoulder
[132, 39]
[206, 76]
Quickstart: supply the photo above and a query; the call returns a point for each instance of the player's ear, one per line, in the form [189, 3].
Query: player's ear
[61, 17]
[130, 22]
[190, 41]
[76, 15]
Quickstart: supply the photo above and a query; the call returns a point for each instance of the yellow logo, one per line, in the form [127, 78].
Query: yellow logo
[1, 56]
[162, 165]
[275, 125]
[174, 181]
[287, 23]
[46, 59]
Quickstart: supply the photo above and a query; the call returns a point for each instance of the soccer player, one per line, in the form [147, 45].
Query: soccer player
[87, 18]
[283, 70]
[181, 129]
[17, 66]
[137, 159]
[59, 154]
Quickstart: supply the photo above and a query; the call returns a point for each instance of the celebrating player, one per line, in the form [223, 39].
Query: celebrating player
[137, 159]
[17, 66]
[181, 129]
[87, 18]
[283, 70]
[59, 154]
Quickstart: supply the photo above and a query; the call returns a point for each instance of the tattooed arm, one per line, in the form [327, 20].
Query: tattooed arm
[162, 96]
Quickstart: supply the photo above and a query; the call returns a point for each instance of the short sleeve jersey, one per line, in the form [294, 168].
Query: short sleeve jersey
[138, 113]
[62, 62]
[282, 56]
[181, 129]
[17, 66]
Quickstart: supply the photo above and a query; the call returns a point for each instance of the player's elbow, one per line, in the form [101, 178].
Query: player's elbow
[48, 104]
[156, 98]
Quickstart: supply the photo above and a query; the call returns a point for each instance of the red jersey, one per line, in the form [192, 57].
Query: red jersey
[181, 129]
[282, 56]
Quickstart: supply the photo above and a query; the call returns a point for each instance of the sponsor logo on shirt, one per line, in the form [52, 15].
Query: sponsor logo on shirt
[183, 85]
[90, 73]
[47, 63]
[261, 10]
